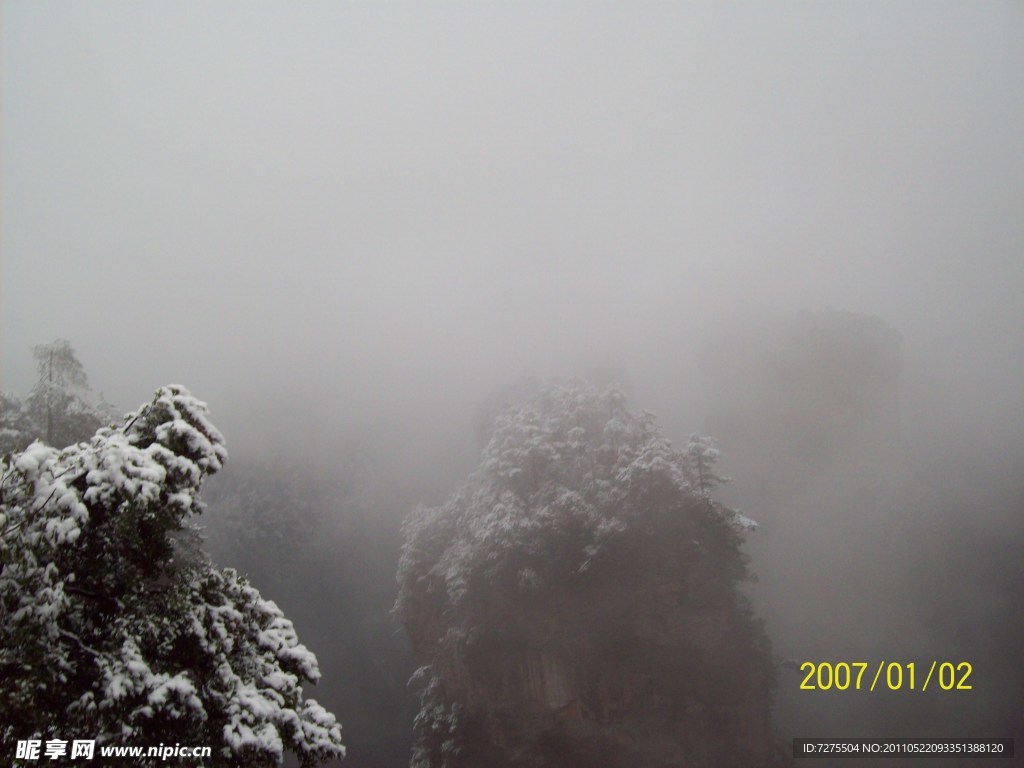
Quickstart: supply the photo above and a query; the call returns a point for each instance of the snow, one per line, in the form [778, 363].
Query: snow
[741, 521]
[29, 461]
[93, 497]
[567, 473]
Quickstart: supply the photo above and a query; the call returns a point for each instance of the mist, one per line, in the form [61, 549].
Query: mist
[351, 227]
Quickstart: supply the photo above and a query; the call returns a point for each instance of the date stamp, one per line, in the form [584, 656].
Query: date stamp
[890, 676]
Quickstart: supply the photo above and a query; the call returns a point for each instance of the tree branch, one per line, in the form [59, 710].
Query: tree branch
[81, 643]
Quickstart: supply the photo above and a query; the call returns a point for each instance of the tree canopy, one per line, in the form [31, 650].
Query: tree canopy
[60, 403]
[114, 626]
[60, 409]
[574, 463]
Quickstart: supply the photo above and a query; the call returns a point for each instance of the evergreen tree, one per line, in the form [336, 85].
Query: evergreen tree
[16, 427]
[113, 625]
[60, 404]
[700, 456]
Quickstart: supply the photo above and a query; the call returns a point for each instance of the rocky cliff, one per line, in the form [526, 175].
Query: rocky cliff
[575, 603]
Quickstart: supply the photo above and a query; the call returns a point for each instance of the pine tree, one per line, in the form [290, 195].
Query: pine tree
[60, 403]
[701, 454]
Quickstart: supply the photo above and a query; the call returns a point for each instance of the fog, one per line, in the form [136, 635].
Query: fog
[346, 226]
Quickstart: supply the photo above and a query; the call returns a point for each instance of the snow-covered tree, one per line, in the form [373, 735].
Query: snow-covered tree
[16, 428]
[580, 513]
[113, 625]
[61, 403]
[572, 463]
[701, 455]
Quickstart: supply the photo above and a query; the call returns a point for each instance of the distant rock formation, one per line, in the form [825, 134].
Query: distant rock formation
[575, 604]
[808, 383]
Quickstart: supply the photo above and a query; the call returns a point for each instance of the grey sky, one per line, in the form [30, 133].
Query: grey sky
[375, 202]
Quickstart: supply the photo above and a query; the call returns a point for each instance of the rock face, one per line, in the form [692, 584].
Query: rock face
[575, 604]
